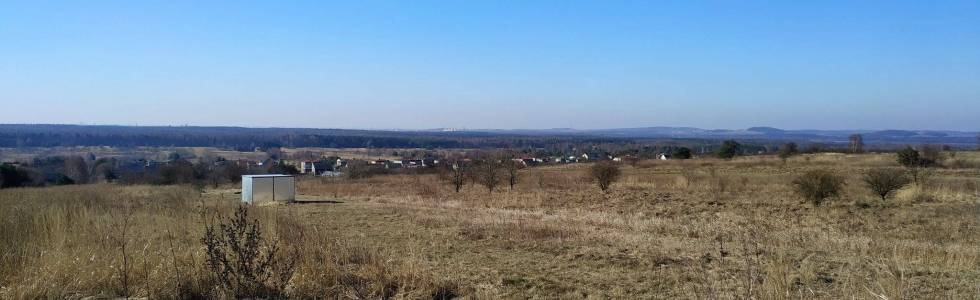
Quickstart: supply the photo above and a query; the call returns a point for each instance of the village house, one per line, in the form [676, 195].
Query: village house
[412, 163]
[313, 167]
[429, 162]
[331, 174]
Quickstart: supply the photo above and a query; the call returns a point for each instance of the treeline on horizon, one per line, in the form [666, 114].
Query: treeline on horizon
[247, 139]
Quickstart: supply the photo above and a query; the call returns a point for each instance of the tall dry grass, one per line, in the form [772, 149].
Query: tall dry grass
[709, 229]
[145, 241]
[676, 229]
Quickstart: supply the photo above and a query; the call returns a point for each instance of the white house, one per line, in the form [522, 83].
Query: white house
[268, 187]
[663, 156]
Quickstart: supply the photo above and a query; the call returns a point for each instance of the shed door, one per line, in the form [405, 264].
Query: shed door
[261, 189]
[285, 189]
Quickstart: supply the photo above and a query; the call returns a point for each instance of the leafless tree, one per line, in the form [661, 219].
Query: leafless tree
[490, 173]
[632, 159]
[605, 173]
[512, 167]
[788, 150]
[931, 155]
[857, 143]
[457, 175]
[103, 170]
[274, 152]
[355, 168]
[77, 169]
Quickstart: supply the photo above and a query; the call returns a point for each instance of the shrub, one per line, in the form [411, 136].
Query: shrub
[931, 155]
[818, 185]
[788, 150]
[884, 181]
[913, 161]
[729, 149]
[682, 153]
[605, 173]
[909, 157]
[243, 262]
[13, 176]
[283, 169]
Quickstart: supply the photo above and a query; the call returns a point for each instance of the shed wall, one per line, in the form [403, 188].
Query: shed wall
[285, 189]
[263, 189]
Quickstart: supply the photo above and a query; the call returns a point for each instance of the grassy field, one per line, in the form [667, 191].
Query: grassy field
[677, 229]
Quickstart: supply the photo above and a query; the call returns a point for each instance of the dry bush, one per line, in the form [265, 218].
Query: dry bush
[817, 185]
[884, 181]
[604, 173]
[245, 263]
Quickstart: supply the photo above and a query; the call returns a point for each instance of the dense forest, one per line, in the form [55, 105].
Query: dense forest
[246, 139]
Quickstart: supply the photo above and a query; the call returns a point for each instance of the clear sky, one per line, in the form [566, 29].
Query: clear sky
[493, 64]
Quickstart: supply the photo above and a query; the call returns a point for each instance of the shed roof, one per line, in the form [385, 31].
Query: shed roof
[266, 175]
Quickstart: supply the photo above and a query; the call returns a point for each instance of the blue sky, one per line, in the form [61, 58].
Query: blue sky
[493, 64]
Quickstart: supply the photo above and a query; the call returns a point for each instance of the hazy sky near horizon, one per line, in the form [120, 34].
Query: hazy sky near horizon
[493, 64]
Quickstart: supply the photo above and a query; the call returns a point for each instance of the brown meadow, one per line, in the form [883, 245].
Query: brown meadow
[701, 228]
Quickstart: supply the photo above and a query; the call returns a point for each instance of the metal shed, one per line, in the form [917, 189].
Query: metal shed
[268, 187]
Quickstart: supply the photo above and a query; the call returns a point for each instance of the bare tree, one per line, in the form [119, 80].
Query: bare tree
[857, 143]
[103, 169]
[931, 155]
[458, 175]
[512, 167]
[274, 152]
[631, 159]
[788, 150]
[77, 169]
[605, 173]
[489, 173]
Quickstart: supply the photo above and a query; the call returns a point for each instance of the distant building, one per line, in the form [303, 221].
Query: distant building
[412, 163]
[331, 174]
[313, 167]
[663, 156]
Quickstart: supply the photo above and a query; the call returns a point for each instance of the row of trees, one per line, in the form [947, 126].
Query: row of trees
[491, 173]
[77, 170]
[488, 172]
[815, 186]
